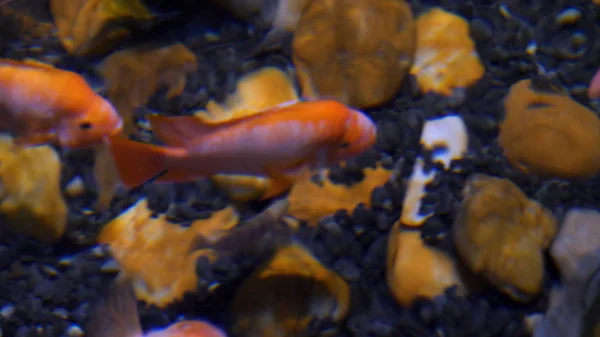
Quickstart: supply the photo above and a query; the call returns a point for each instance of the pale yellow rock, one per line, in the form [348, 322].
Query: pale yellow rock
[446, 57]
[156, 254]
[30, 195]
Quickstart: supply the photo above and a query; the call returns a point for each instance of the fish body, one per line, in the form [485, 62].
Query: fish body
[117, 316]
[277, 143]
[43, 104]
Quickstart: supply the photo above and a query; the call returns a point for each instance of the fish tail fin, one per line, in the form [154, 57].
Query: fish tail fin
[115, 315]
[137, 162]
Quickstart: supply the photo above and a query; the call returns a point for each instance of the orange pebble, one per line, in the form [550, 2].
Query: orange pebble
[415, 269]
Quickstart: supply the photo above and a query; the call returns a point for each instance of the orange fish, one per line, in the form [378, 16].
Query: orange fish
[278, 143]
[42, 104]
[117, 316]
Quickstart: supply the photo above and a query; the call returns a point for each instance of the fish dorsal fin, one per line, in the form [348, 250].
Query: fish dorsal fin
[213, 118]
[27, 63]
[179, 130]
[38, 64]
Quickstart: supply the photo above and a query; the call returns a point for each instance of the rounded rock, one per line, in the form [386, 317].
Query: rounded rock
[545, 132]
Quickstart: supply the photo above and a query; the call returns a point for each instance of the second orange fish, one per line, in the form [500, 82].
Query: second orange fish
[277, 143]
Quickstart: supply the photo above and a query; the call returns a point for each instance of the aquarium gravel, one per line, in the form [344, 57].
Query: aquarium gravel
[46, 290]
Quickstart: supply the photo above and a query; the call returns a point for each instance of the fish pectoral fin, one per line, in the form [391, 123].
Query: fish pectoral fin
[40, 127]
[177, 176]
[34, 139]
[277, 186]
[28, 62]
[279, 183]
[281, 180]
[38, 64]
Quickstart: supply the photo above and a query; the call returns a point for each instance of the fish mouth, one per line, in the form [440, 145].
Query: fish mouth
[118, 128]
[367, 127]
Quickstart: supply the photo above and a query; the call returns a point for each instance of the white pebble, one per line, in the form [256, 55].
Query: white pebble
[74, 331]
[75, 187]
[415, 192]
[98, 251]
[449, 132]
[111, 266]
[60, 312]
[568, 16]
[65, 261]
[7, 311]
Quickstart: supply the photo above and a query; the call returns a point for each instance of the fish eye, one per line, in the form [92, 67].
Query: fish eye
[344, 145]
[85, 126]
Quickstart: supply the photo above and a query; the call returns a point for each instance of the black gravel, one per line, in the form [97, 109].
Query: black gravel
[46, 290]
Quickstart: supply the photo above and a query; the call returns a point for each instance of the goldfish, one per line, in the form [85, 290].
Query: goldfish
[42, 104]
[278, 143]
[116, 315]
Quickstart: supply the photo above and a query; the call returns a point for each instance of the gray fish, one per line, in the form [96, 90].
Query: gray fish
[264, 228]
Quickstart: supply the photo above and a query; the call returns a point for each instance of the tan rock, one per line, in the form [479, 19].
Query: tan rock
[500, 234]
[355, 51]
[87, 27]
[547, 133]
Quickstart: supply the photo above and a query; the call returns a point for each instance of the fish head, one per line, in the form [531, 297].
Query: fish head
[192, 329]
[90, 128]
[360, 134]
